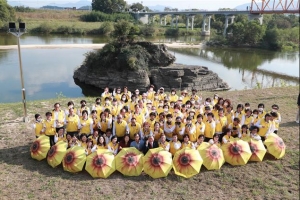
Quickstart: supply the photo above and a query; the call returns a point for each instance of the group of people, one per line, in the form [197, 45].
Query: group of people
[155, 119]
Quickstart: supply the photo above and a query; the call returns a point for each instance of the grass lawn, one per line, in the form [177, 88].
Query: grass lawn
[25, 178]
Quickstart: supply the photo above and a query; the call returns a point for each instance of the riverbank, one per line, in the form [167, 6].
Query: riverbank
[90, 46]
[270, 179]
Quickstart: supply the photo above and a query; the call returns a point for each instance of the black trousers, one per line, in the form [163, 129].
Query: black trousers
[51, 137]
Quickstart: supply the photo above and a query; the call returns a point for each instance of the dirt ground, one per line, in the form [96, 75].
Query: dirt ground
[22, 177]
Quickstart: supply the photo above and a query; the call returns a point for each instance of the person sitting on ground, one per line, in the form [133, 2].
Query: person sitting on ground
[254, 133]
[186, 142]
[149, 144]
[125, 142]
[113, 146]
[163, 143]
[137, 143]
[215, 140]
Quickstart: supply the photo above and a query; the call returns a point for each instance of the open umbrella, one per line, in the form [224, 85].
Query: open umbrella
[275, 145]
[100, 164]
[236, 152]
[258, 150]
[74, 159]
[157, 162]
[212, 157]
[129, 161]
[187, 162]
[40, 147]
[56, 153]
[203, 145]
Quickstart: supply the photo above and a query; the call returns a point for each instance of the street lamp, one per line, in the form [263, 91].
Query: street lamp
[18, 32]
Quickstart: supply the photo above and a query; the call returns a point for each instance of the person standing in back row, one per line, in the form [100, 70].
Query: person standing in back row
[298, 114]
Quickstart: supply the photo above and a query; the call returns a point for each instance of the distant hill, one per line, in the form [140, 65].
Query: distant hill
[77, 4]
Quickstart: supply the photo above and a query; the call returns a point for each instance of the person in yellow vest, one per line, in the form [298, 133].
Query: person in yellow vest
[277, 120]
[59, 116]
[210, 127]
[169, 127]
[152, 119]
[163, 143]
[72, 123]
[103, 123]
[238, 113]
[177, 112]
[126, 92]
[68, 140]
[229, 114]
[83, 107]
[91, 147]
[254, 133]
[94, 117]
[215, 99]
[150, 93]
[192, 115]
[94, 137]
[195, 96]
[247, 118]
[70, 104]
[265, 127]
[117, 94]
[255, 117]
[200, 125]
[215, 140]
[138, 115]
[113, 146]
[106, 104]
[245, 133]
[186, 142]
[60, 136]
[190, 129]
[143, 108]
[207, 110]
[221, 123]
[199, 142]
[124, 101]
[115, 108]
[74, 142]
[149, 107]
[120, 128]
[97, 107]
[184, 112]
[134, 128]
[161, 119]
[179, 128]
[83, 142]
[161, 93]
[38, 125]
[227, 137]
[175, 145]
[261, 112]
[215, 110]
[226, 104]
[105, 94]
[235, 126]
[101, 143]
[86, 124]
[166, 109]
[145, 131]
[220, 102]
[156, 131]
[49, 127]
[173, 96]
[137, 94]
[155, 102]
[247, 106]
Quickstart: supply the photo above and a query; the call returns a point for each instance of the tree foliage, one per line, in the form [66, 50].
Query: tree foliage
[137, 7]
[108, 6]
[7, 13]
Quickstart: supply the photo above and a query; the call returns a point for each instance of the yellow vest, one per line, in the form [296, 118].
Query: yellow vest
[139, 118]
[173, 98]
[120, 128]
[248, 121]
[104, 125]
[198, 128]
[38, 128]
[61, 116]
[133, 130]
[50, 129]
[86, 128]
[164, 145]
[184, 145]
[222, 123]
[209, 131]
[179, 129]
[193, 136]
[172, 147]
[72, 124]
[262, 131]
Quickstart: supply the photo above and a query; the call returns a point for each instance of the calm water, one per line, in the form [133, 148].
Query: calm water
[48, 72]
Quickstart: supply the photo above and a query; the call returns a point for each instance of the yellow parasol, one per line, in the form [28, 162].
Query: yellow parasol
[236, 152]
[187, 162]
[74, 159]
[258, 150]
[129, 161]
[56, 153]
[203, 145]
[157, 162]
[100, 164]
[212, 157]
[275, 145]
[40, 147]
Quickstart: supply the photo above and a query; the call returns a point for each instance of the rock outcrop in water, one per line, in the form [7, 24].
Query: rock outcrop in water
[141, 66]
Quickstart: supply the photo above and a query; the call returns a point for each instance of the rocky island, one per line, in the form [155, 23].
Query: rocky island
[139, 64]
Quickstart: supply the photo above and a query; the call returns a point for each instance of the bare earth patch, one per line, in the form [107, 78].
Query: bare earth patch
[21, 177]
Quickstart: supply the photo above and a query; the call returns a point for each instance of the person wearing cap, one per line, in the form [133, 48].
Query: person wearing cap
[134, 128]
[185, 96]
[150, 93]
[120, 128]
[179, 128]
[210, 127]
[200, 125]
[117, 93]
[49, 127]
[173, 96]
[105, 94]
[169, 127]
[38, 125]
[161, 93]
[190, 129]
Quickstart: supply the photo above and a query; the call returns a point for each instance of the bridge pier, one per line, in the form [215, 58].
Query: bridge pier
[256, 16]
[226, 23]
[193, 19]
[187, 24]
[204, 31]
[177, 17]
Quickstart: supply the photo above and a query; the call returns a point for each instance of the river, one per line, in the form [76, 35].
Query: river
[48, 73]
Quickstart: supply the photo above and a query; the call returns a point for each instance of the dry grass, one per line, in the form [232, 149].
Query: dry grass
[21, 177]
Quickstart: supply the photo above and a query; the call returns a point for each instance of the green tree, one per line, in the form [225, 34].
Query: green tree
[7, 13]
[108, 6]
[137, 7]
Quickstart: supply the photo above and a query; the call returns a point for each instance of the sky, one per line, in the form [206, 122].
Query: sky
[180, 4]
